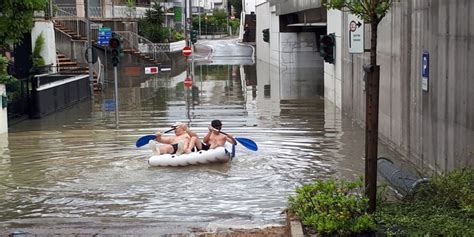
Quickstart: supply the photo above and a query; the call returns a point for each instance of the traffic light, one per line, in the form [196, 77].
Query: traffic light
[194, 36]
[327, 48]
[266, 35]
[114, 44]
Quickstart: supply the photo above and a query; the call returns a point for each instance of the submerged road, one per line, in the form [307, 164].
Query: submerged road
[225, 52]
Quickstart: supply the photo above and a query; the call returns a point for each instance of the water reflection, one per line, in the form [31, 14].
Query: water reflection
[76, 164]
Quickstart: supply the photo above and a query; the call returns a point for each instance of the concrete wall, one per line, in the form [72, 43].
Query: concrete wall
[291, 6]
[266, 19]
[287, 49]
[333, 72]
[298, 50]
[432, 129]
[248, 6]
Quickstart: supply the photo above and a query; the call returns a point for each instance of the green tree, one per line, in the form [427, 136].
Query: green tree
[372, 12]
[155, 15]
[16, 19]
[151, 26]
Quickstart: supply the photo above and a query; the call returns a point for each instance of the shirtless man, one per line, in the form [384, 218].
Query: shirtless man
[171, 144]
[213, 139]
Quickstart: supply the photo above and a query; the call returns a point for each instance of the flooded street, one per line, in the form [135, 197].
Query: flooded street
[76, 168]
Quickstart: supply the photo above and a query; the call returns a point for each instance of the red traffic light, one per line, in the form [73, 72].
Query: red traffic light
[114, 43]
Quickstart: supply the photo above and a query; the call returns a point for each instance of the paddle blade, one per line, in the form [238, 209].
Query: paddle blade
[249, 144]
[144, 140]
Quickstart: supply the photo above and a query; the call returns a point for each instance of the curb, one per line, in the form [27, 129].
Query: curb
[294, 225]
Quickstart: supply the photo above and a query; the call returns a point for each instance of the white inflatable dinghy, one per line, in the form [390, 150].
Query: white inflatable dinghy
[218, 155]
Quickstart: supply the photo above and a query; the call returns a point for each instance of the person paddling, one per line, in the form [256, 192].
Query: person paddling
[213, 139]
[171, 144]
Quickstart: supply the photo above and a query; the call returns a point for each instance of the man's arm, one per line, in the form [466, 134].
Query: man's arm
[165, 140]
[231, 139]
[208, 135]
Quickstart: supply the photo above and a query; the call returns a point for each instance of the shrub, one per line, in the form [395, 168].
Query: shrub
[36, 57]
[332, 207]
[4, 77]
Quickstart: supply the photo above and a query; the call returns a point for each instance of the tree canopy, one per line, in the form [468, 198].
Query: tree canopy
[364, 9]
[16, 18]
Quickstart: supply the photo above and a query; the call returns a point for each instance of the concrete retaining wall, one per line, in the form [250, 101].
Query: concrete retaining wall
[431, 128]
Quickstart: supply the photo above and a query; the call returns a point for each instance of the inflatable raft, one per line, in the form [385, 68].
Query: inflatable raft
[218, 155]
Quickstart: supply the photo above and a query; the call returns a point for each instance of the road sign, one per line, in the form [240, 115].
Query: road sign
[177, 14]
[356, 34]
[109, 104]
[425, 70]
[187, 51]
[151, 70]
[188, 82]
[105, 33]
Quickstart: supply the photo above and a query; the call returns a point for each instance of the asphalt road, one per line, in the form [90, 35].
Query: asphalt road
[225, 52]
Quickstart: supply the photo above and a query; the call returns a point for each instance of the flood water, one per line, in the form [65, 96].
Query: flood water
[76, 165]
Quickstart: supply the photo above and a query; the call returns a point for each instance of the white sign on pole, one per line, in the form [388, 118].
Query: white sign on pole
[356, 34]
[151, 70]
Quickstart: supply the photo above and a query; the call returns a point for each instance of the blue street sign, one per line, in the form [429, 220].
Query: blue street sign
[425, 65]
[105, 33]
[425, 71]
[109, 104]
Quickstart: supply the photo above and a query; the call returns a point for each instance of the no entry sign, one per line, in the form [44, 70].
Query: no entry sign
[187, 51]
[188, 82]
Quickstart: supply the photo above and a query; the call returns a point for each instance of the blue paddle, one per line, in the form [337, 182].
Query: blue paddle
[145, 139]
[247, 143]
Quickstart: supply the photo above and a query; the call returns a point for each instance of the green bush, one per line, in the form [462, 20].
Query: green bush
[36, 57]
[4, 77]
[332, 207]
[444, 206]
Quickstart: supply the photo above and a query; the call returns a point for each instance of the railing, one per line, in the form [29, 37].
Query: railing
[71, 22]
[127, 12]
[142, 45]
[76, 24]
[95, 12]
[70, 47]
[65, 10]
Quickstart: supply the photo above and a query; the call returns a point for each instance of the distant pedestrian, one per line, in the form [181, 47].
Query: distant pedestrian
[246, 33]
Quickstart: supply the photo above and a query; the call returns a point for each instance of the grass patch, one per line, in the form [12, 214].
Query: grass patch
[444, 206]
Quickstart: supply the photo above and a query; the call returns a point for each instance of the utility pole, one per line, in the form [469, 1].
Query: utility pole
[200, 18]
[228, 14]
[89, 49]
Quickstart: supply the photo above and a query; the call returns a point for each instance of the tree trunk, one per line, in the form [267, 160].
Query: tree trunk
[372, 115]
